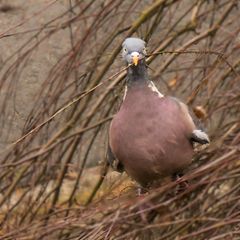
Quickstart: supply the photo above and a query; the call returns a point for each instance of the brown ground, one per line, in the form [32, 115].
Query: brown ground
[23, 13]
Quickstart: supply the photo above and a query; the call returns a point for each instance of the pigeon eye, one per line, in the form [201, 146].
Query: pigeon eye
[124, 50]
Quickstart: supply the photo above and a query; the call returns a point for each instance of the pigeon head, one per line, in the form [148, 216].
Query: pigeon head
[133, 50]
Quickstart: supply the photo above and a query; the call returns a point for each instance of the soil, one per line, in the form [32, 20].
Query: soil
[19, 20]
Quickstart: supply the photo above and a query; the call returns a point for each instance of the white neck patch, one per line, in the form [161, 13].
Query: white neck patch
[152, 86]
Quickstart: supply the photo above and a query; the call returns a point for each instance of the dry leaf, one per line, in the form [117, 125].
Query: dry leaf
[200, 112]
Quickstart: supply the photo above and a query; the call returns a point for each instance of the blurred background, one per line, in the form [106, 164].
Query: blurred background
[61, 81]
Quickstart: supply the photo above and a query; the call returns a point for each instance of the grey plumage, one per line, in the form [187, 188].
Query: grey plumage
[151, 135]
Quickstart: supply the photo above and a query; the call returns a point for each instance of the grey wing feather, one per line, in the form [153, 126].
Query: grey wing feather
[197, 135]
[200, 137]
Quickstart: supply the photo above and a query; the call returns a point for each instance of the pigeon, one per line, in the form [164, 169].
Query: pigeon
[151, 136]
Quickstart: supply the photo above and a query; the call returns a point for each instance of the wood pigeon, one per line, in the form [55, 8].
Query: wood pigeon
[152, 135]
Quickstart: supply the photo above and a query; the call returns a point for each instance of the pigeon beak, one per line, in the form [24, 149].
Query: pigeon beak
[135, 58]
